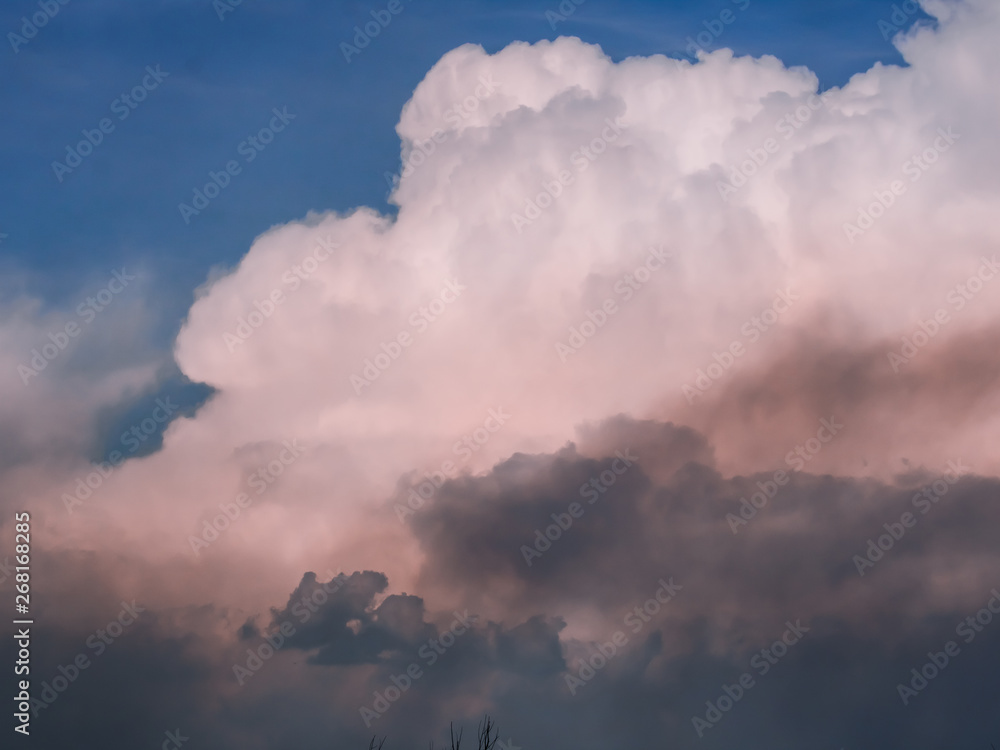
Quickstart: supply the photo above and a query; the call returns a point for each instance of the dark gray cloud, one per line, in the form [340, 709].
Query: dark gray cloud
[338, 618]
[794, 554]
[661, 523]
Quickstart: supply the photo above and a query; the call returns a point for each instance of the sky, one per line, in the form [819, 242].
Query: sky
[624, 372]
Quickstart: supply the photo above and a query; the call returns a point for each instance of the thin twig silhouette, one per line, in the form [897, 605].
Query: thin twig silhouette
[486, 738]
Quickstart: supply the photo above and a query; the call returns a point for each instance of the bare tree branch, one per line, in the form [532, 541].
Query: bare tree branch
[488, 727]
[487, 737]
